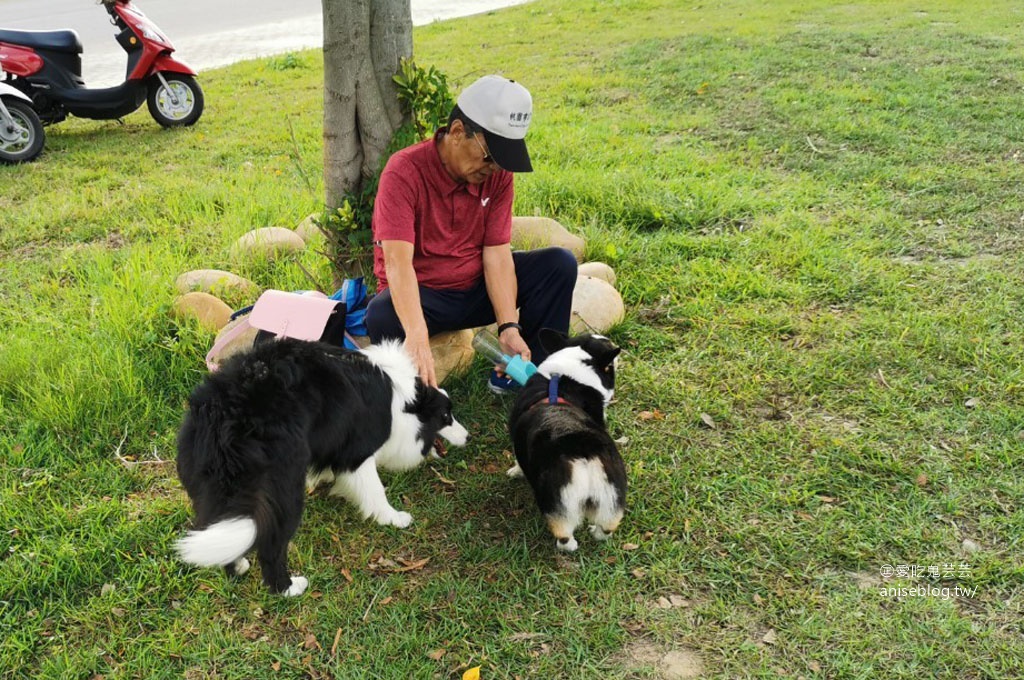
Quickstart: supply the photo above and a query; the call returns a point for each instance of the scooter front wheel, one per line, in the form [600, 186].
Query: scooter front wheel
[177, 104]
[21, 137]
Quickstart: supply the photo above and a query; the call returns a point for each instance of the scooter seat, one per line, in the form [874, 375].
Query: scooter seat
[65, 40]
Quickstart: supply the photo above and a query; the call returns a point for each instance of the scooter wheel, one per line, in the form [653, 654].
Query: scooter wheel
[177, 105]
[22, 139]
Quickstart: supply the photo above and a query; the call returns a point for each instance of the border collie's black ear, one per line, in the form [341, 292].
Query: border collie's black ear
[428, 399]
[552, 340]
[608, 357]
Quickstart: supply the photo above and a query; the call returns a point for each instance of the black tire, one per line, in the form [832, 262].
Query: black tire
[165, 110]
[24, 140]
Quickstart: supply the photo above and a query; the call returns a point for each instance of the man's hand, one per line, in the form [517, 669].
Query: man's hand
[512, 342]
[418, 348]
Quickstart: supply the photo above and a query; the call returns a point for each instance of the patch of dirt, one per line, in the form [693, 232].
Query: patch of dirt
[980, 258]
[671, 664]
[837, 423]
[865, 580]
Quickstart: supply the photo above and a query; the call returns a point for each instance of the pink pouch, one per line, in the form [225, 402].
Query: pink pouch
[302, 316]
[289, 315]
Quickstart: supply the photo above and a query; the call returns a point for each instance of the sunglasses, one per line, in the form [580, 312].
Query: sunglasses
[488, 158]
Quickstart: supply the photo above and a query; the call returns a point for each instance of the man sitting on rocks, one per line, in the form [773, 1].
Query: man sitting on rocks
[442, 225]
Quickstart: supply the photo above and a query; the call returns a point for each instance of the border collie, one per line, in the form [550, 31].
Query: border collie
[289, 408]
[561, 444]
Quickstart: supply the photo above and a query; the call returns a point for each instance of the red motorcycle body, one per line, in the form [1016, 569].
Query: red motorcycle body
[47, 66]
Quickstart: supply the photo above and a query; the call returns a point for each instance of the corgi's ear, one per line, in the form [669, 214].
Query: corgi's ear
[552, 340]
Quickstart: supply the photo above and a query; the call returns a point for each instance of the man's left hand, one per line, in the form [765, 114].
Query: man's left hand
[512, 342]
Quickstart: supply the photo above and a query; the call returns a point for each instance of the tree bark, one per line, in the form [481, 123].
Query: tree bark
[364, 41]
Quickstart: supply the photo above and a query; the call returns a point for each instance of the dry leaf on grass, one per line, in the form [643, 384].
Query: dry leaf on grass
[437, 654]
[337, 639]
[410, 565]
[708, 421]
[472, 674]
[671, 602]
[444, 480]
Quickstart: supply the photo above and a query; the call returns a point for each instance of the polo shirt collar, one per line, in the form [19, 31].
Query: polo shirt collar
[440, 178]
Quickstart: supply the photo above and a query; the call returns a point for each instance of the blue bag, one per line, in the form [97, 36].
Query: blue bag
[353, 293]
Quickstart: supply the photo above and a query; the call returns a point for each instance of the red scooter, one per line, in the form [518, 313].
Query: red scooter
[47, 66]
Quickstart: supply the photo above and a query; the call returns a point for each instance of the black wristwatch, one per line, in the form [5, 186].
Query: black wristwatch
[511, 324]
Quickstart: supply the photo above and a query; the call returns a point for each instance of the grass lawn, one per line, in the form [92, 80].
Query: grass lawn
[815, 213]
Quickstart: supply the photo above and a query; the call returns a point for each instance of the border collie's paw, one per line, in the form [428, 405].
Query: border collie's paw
[298, 586]
[599, 534]
[515, 472]
[241, 566]
[567, 544]
[396, 519]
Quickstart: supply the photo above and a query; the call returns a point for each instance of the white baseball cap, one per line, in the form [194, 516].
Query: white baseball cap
[502, 108]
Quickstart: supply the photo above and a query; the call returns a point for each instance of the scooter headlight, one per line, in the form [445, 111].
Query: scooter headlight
[149, 32]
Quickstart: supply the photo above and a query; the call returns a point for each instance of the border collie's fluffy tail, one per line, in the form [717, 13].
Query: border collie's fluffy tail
[219, 544]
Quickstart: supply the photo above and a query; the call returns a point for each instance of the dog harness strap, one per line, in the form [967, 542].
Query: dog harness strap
[222, 341]
[552, 397]
[553, 388]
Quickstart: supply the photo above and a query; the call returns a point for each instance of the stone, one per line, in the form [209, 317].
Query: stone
[362, 341]
[268, 242]
[599, 270]
[216, 282]
[309, 231]
[453, 353]
[211, 312]
[240, 344]
[531, 233]
[596, 306]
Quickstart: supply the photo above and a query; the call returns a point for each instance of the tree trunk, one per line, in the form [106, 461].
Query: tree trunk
[364, 40]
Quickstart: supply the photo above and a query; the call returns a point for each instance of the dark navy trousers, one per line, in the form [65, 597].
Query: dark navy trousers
[545, 277]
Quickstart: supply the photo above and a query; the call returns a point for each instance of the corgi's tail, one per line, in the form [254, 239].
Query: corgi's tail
[219, 544]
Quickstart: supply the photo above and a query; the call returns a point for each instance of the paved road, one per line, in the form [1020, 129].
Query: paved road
[206, 33]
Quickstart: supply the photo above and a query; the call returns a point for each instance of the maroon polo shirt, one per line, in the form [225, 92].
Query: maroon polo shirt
[448, 222]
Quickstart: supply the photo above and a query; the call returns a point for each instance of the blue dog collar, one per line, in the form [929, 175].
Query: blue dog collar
[553, 390]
